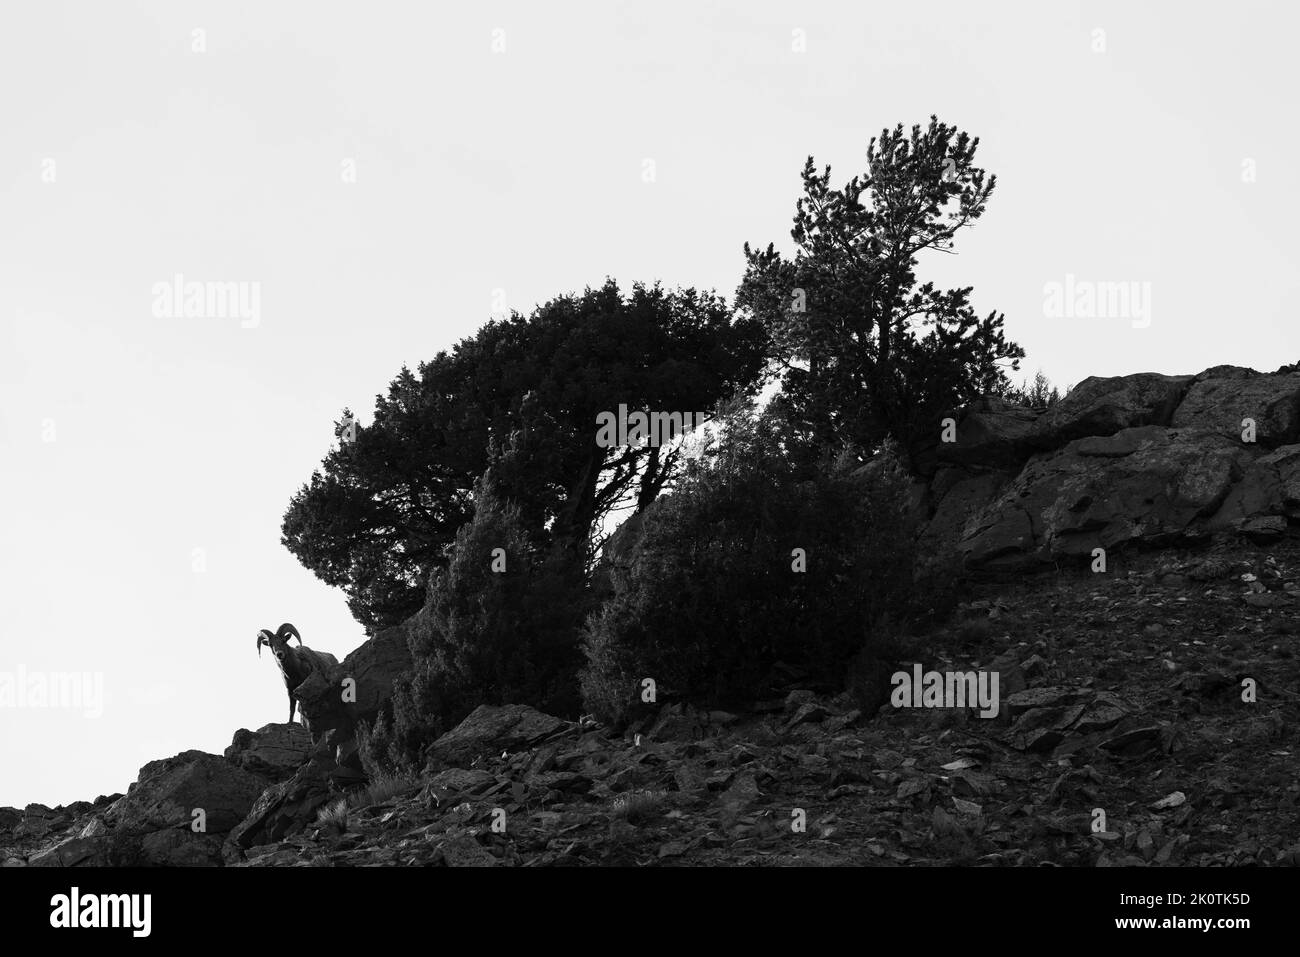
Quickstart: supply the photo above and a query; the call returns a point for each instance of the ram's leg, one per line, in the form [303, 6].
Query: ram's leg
[292, 703]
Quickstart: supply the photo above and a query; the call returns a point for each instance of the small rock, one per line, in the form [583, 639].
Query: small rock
[1031, 698]
[1034, 666]
[810, 712]
[743, 792]
[455, 781]
[1175, 799]
[1105, 711]
[1133, 739]
[838, 723]
[797, 699]
[887, 759]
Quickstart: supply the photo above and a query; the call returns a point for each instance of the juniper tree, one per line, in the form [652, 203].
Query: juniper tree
[865, 349]
[522, 397]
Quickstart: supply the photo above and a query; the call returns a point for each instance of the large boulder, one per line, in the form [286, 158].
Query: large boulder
[285, 808]
[996, 434]
[1145, 485]
[1104, 405]
[375, 666]
[1269, 488]
[959, 496]
[335, 701]
[168, 791]
[1223, 396]
[273, 752]
[990, 433]
[489, 730]
[155, 821]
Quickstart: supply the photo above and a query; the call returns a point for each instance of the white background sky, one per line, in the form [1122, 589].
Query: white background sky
[519, 171]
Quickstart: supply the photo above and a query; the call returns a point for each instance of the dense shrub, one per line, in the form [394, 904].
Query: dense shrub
[709, 604]
[487, 635]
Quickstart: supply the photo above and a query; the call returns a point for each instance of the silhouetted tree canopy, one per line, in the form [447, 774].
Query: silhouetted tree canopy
[865, 350]
[521, 396]
[1036, 394]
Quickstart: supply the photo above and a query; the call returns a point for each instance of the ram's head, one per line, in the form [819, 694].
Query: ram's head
[279, 641]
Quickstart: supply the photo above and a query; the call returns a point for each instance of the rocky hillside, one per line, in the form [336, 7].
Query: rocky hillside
[1147, 711]
[1120, 692]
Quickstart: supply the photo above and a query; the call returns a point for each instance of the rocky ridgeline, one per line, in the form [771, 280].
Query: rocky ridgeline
[1163, 692]
[1121, 692]
[1142, 460]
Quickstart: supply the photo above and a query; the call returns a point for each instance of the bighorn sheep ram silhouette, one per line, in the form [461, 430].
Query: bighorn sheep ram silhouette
[296, 664]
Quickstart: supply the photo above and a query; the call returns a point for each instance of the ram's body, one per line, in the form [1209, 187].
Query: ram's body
[296, 664]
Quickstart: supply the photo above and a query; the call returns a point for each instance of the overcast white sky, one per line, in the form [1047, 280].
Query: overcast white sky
[127, 441]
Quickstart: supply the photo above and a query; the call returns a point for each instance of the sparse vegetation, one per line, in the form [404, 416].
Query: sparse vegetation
[1036, 394]
[334, 814]
[383, 788]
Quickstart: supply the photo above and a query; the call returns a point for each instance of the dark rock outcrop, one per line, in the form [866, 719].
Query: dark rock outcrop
[992, 434]
[1105, 405]
[374, 667]
[1222, 397]
[285, 808]
[176, 814]
[1146, 484]
[353, 693]
[959, 495]
[1145, 459]
[1270, 488]
[490, 730]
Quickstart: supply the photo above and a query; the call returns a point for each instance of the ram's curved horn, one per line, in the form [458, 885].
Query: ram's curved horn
[285, 630]
[263, 638]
